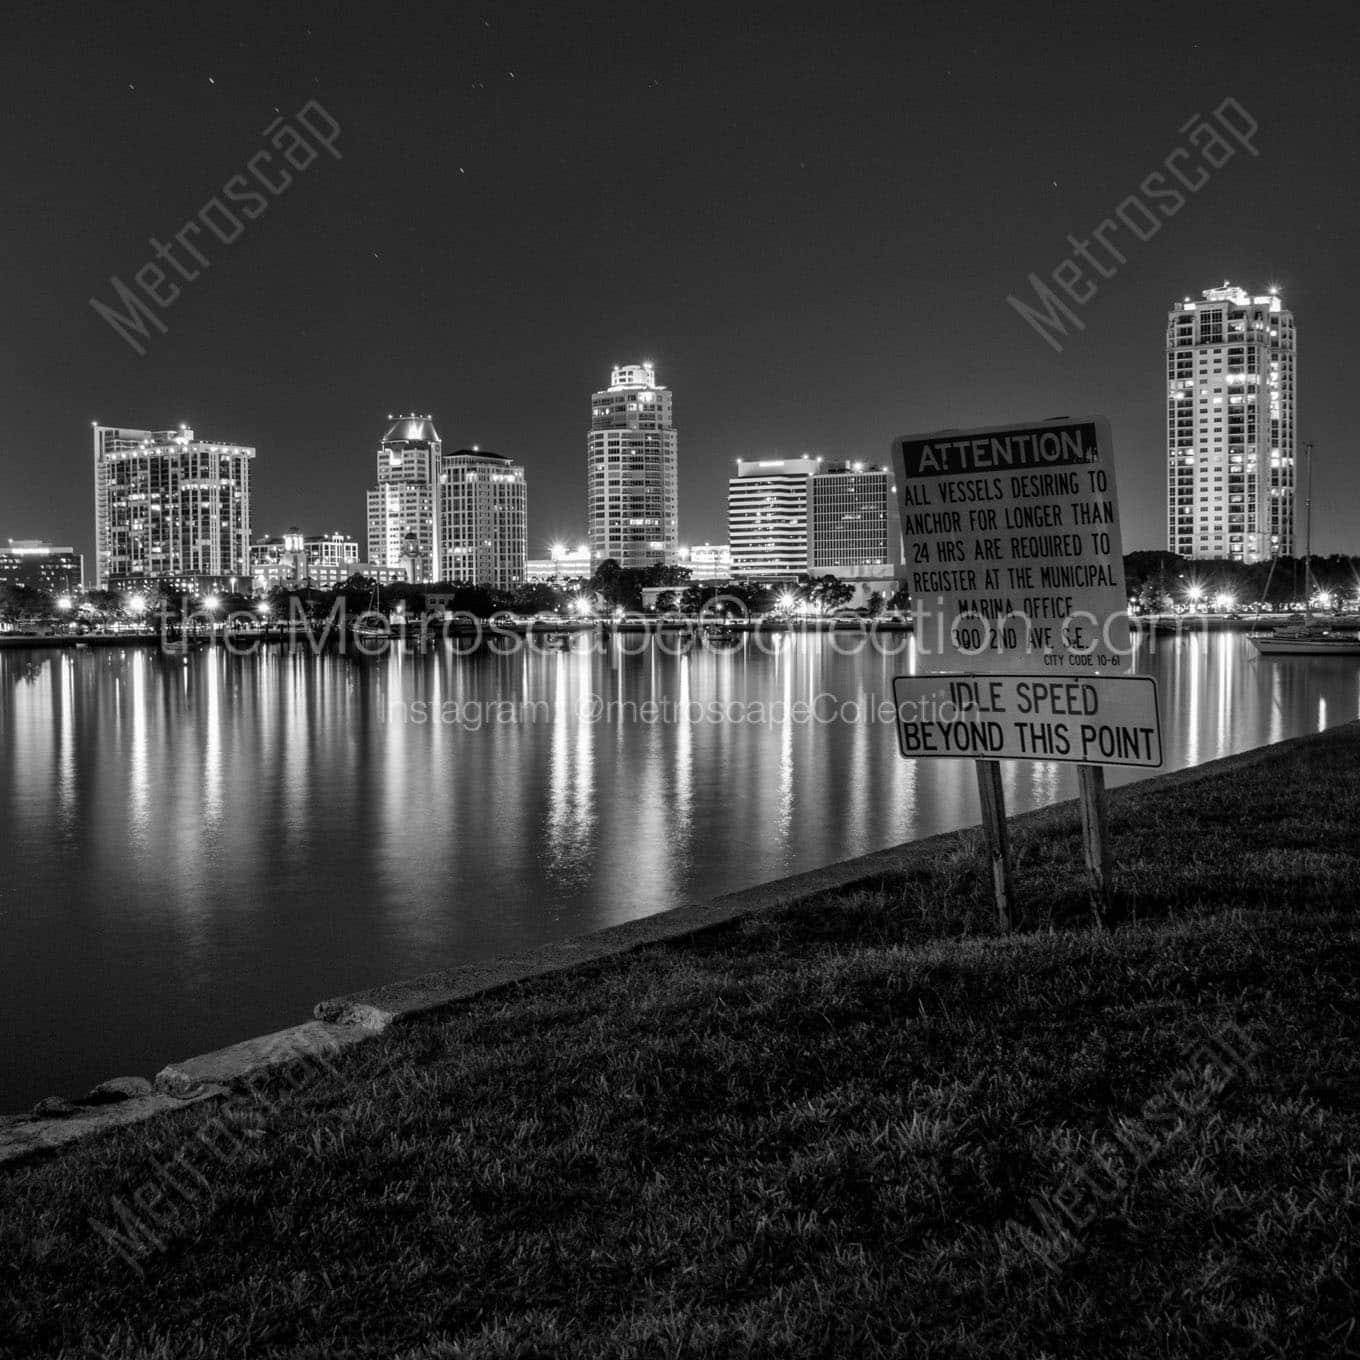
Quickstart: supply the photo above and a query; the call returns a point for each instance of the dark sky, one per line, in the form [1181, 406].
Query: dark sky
[810, 218]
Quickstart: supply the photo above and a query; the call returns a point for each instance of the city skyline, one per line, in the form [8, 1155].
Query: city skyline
[438, 517]
[412, 434]
[823, 264]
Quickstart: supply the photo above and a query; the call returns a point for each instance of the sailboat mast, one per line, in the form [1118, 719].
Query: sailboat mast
[1308, 530]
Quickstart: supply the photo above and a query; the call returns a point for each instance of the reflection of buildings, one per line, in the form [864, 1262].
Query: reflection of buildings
[793, 516]
[41, 566]
[480, 513]
[402, 503]
[1230, 426]
[169, 505]
[631, 491]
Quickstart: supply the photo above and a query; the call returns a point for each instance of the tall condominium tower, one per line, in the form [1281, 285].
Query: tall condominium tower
[401, 507]
[169, 505]
[632, 496]
[480, 512]
[790, 516]
[1230, 425]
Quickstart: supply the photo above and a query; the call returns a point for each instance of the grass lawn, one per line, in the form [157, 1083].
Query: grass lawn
[862, 1126]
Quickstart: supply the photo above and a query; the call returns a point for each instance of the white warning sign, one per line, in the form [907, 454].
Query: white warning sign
[1100, 720]
[1013, 552]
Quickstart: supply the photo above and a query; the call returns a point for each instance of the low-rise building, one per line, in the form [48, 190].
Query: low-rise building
[55, 570]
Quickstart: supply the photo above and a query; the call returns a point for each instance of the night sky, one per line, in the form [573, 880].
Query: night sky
[809, 218]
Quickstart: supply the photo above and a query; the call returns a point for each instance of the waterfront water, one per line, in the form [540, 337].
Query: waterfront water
[195, 850]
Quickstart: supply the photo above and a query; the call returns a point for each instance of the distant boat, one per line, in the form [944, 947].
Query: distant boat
[370, 630]
[1311, 637]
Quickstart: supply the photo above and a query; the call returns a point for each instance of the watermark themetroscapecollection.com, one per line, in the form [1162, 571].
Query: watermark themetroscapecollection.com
[924, 627]
[1139, 220]
[264, 169]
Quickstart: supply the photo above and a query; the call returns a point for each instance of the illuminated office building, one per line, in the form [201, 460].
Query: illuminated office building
[480, 510]
[789, 517]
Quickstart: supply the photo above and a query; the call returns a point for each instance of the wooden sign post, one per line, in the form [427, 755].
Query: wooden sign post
[1016, 572]
[993, 801]
[1095, 839]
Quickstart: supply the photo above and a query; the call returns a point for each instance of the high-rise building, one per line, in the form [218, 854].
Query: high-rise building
[848, 512]
[167, 505]
[787, 517]
[632, 494]
[1230, 426]
[480, 511]
[767, 516]
[401, 513]
[39, 565]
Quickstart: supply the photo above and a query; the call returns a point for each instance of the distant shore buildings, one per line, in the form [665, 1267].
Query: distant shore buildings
[460, 516]
[1230, 421]
[563, 563]
[789, 517]
[481, 524]
[706, 561]
[169, 506]
[400, 508]
[174, 509]
[310, 561]
[632, 493]
[38, 565]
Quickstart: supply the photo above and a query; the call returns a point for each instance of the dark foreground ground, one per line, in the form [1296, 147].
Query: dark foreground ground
[864, 1126]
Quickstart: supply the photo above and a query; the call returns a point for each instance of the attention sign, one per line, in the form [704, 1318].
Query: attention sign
[1013, 553]
[1108, 720]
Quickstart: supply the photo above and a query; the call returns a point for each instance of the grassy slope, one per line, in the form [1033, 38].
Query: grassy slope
[806, 1134]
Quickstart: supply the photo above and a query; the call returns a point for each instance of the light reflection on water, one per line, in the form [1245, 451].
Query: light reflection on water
[198, 849]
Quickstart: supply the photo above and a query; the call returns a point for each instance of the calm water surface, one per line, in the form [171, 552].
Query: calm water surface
[196, 850]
